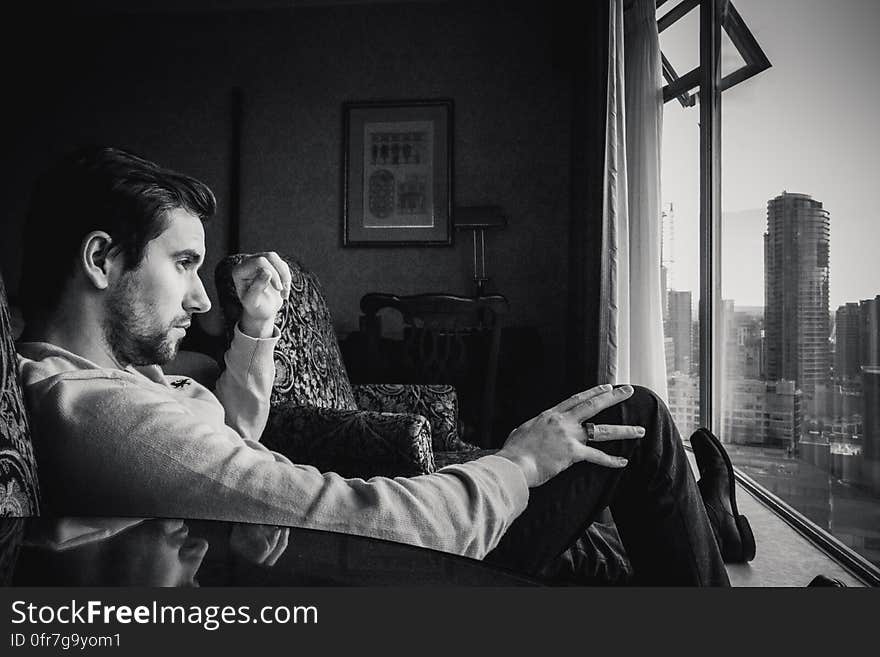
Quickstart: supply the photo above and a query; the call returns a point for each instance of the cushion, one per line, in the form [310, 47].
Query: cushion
[437, 403]
[351, 443]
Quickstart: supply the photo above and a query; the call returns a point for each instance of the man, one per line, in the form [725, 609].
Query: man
[113, 244]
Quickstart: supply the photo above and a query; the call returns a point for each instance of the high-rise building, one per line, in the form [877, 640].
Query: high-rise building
[762, 413]
[870, 376]
[669, 354]
[742, 342]
[796, 270]
[680, 323]
[684, 402]
[846, 346]
[869, 331]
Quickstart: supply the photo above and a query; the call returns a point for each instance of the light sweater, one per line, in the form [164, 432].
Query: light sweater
[136, 442]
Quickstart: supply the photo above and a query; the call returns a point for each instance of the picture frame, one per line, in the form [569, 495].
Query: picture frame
[397, 173]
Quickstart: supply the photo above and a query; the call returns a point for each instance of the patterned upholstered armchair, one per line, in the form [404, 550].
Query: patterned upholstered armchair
[19, 489]
[318, 417]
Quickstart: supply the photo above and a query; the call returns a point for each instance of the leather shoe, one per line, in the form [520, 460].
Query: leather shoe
[824, 580]
[718, 490]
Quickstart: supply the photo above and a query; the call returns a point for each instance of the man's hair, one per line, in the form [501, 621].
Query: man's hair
[98, 188]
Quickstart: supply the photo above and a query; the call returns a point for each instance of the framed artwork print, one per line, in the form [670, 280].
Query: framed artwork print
[397, 173]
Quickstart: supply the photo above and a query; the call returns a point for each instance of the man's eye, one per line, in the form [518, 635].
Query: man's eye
[186, 263]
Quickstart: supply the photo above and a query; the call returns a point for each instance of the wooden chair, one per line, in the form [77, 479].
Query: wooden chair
[446, 339]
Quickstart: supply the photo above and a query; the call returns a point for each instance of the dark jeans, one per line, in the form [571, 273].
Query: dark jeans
[654, 500]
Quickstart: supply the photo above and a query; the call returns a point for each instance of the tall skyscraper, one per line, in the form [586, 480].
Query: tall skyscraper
[846, 347]
[679, 329]
[796, 269]
[870, 375]
[869, 331]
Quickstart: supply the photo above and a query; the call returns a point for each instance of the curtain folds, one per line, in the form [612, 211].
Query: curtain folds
[631, 202]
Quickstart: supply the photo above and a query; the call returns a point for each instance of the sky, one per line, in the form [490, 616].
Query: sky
[809, 124]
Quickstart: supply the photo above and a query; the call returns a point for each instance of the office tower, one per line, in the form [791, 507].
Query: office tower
[783, 409]
[665, 300]
[869, 348]
[846, 349]
[726, 322]
[870, 375]
[743, 343]
[796, 269]
[762, 413]
[680, 324]
[869, 331]
[684, 402]
[669, 354]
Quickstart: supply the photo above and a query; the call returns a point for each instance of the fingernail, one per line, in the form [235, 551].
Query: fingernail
[626, 389]
[606, 386]
[640, 431]
[622, 462]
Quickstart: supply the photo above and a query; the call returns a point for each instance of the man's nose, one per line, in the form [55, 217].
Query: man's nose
[197, 300]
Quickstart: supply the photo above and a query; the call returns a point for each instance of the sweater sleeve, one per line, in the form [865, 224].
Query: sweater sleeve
[112, 448]
[245, 386]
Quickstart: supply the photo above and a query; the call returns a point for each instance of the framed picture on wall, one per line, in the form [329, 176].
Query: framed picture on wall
[397, 173]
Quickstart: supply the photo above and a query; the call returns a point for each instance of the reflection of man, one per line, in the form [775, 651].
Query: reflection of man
[110, 552]
[109, 296]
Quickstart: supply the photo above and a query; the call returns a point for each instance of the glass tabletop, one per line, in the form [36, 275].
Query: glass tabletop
[77, 551]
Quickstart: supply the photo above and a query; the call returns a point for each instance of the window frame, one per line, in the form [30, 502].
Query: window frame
[706, 82]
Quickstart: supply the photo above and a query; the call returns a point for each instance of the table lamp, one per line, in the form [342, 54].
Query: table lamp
[479, 219]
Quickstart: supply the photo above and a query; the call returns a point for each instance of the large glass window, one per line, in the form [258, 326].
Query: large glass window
[680, 227]
[798, 323]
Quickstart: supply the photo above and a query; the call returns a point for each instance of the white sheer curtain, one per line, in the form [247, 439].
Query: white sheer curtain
[632, 197]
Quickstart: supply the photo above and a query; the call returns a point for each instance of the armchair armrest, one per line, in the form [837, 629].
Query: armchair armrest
[351, 443]
[437, 403]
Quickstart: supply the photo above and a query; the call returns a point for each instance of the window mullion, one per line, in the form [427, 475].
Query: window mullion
[711, 12]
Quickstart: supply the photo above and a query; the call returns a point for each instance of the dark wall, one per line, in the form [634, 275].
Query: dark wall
[160, 85]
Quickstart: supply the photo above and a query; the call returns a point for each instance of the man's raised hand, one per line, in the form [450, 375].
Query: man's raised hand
[556, 439]
[262, 282]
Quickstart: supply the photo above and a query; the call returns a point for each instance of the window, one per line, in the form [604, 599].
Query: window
[791, 370]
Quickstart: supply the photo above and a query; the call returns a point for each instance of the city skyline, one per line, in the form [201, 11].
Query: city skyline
[806, 125]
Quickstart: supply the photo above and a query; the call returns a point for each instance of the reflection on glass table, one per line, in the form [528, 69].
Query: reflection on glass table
[163, 552]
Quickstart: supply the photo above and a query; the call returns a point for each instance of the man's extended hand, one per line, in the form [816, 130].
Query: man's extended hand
[262, 282]
[551, 442]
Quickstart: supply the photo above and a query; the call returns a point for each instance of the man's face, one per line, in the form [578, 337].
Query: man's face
[149, 307]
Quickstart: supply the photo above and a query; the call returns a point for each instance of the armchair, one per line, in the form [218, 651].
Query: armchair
[19, 487]
[319, 418]
[446, 339]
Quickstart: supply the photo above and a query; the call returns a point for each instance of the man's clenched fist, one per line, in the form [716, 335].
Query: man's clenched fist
[262, 282]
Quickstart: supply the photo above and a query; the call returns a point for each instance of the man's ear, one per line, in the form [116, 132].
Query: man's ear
[96, 258]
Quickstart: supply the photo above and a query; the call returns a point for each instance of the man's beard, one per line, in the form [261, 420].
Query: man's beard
[131, 332]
